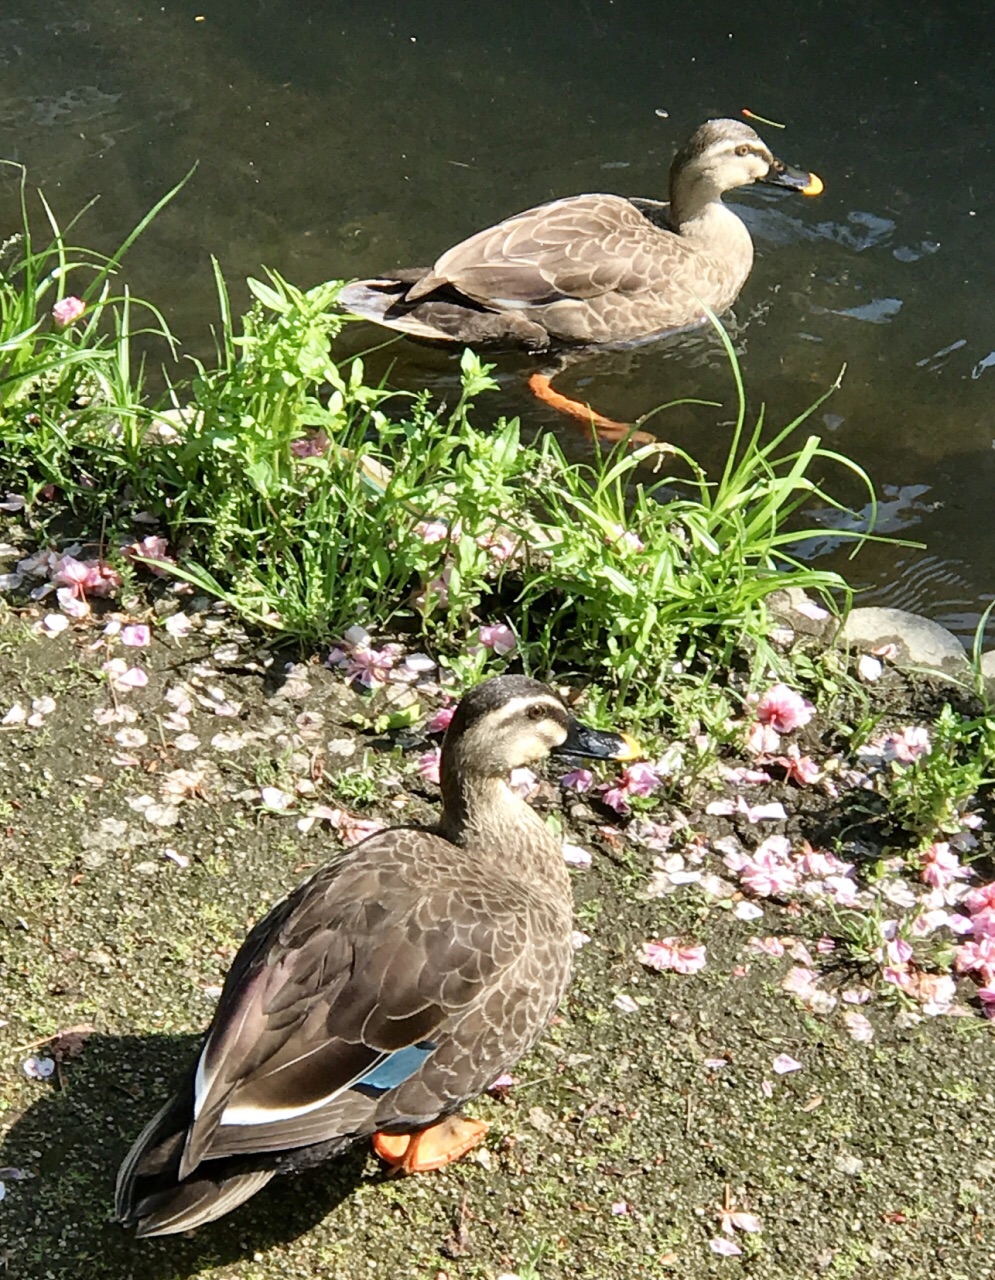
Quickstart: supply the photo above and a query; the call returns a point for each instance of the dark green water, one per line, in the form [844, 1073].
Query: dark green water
[339, 139]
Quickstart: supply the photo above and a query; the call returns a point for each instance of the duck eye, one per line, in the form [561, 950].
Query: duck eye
[536, 713]
[743, 150]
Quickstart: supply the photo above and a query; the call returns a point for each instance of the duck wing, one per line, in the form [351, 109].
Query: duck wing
[341, 994]
[577, 247]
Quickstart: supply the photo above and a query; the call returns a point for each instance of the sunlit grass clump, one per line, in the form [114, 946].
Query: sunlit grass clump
[311, 500]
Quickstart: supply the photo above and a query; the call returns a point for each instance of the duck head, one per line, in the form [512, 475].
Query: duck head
[721, 155]
[511, 721]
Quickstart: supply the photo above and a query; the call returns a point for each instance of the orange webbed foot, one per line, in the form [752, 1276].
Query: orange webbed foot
[432, 1148]
[602, 428]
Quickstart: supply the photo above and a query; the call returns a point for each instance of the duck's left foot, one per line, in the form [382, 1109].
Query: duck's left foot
[432, 1148]
[606, 429]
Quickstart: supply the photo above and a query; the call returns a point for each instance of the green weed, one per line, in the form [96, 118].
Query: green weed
[310, 500]
[930, 796]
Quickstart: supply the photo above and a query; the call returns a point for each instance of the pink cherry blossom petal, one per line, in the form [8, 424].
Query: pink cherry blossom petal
[523, 782]
[67, 311]
[136, 636]
[498, 637]
[784, 1063]
[741, 1221]
[672, 953]
[859, 1026]
[640, 779]
[441, 721]
[579, 780]
[784, 709]
[763, 740]
[428, 765]
[575, 856]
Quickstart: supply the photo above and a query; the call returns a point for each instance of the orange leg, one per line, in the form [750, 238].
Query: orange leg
[432, 1148]
[602, 428]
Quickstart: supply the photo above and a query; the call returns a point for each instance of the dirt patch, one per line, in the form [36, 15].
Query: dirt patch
[651, 1101]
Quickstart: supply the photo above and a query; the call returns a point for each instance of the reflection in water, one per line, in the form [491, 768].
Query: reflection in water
[338, 139]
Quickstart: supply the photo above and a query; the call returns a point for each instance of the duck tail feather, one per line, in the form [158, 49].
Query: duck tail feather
[150, 1195]
[198, 1200]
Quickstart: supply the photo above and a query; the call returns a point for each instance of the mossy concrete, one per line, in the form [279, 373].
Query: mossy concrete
[874, 1160]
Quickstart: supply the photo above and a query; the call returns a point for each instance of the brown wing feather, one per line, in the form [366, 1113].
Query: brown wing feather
[316, 997]
[578, 247]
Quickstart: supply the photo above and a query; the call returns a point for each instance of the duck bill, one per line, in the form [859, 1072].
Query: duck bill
[596, 744]
[784, 175]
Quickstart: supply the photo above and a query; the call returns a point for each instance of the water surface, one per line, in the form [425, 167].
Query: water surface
[337, 139]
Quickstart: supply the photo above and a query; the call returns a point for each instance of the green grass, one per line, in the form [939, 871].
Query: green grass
[310, 500]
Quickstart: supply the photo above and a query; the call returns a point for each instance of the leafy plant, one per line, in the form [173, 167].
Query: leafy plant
[929, 796]
[311, 500]
[70, 392]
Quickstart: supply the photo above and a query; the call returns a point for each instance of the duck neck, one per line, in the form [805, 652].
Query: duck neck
[485, 817]
[697, 211]
[698, 215]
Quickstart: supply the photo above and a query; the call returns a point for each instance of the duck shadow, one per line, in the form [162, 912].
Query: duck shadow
[59, 1162]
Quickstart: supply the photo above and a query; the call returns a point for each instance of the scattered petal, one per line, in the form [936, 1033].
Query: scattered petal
[178, 625]
[784, 1063]
[575, 856]
[441, 720]
[123, 678]
[783, 709]
[71, 605]
[38, 1068]
[54, 624]
[738, 1220]
[428, 765]
[498, 637]
[356, 829]
[725, 1247]
[136, 636]
[68, 310]
[869, 669]
[858, 1026]
[162, 815]
[769, 946]
[671, 953]
[763, 740]
[523, 782]
[275, 799]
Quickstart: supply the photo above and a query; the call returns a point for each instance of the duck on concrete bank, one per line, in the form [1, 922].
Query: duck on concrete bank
[593, 270]
[389, 989]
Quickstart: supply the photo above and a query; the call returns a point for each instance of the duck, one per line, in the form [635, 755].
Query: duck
[390, 988]
[594, 270]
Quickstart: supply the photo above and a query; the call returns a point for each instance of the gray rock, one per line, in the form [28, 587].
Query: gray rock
[920, 642]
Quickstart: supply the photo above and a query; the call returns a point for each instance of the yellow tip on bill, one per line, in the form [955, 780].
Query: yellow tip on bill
[814, 187]
[631, 750]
